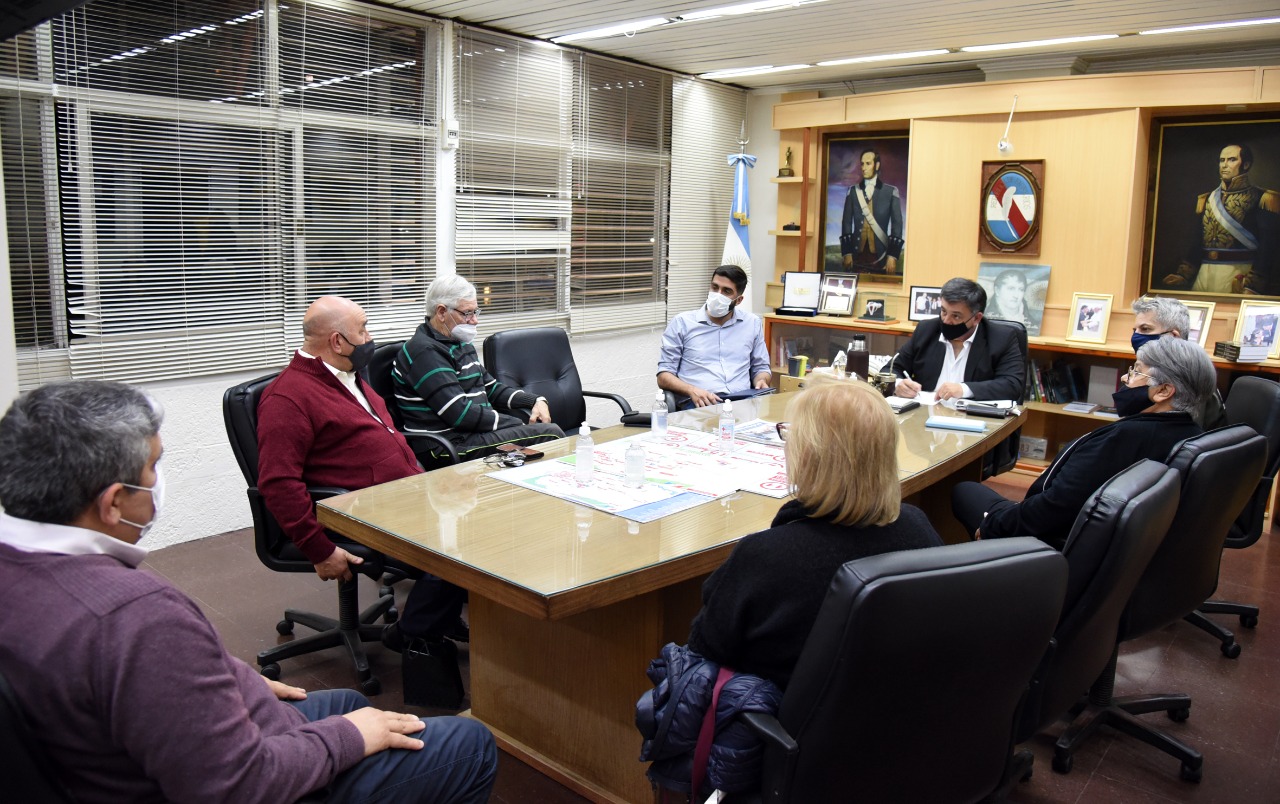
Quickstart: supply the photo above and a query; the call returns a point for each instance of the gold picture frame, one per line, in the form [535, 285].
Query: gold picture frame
[1201, 313]
[1259, 321]
[1088, 318]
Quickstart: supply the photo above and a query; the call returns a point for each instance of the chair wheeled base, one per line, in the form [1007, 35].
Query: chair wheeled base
[1120, 714]
[351, 628]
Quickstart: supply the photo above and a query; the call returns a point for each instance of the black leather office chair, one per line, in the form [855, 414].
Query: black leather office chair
[539, 360]
[432, 450]
[1112, 542]
[1004, 455]
[277, 552]
[1218, 472]
[1256, 402]
[903, 651]
[30, 773]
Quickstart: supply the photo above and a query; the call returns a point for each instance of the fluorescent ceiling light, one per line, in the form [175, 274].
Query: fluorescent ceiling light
[621, 29]
[1038, 43]
[918, 54]
[753, 71]
[743, 8]
[1210, 26]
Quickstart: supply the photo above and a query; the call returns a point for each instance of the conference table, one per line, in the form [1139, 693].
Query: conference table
[568, 604]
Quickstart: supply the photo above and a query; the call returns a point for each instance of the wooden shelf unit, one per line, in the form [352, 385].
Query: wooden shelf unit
[1044, 420]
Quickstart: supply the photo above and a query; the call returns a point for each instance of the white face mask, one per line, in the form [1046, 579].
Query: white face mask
[157, 502]
[466, 333]
[718, 305]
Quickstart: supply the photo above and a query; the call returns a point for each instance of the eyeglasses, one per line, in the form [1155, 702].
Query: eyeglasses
[473, 315]
[1133, 372]
[783, 429]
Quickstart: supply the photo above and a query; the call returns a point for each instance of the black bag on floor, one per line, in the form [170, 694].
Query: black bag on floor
[431, 674]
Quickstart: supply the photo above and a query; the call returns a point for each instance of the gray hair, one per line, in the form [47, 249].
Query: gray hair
[448, 290]
[62, 444]
[1185, 366]
[967, 292]
[1168, 313]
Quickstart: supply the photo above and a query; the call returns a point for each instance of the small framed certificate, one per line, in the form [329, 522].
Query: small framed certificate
[838, 292]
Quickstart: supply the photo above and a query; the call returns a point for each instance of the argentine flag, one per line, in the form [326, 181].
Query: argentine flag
[737, 247]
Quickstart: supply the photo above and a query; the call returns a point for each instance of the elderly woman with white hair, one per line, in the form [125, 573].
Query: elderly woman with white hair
[1169, 380]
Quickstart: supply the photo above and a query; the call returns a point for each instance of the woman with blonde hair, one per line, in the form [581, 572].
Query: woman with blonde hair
[841, 446]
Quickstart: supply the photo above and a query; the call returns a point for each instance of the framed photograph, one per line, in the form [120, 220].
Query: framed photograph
[800, 292]
[1089, 315]
[924, 302]
[1201, 313]
[1256, 326]
[1015, 292]
[1012, 207]
[838, 291]
[1210, 233]
[864, 198]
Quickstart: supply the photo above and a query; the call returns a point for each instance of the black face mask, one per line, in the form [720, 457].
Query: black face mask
[360, 355]
[953, 331]
[1129, 401]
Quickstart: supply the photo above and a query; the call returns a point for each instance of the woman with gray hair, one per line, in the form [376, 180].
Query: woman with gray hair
[1157, 316]
[1170, 378]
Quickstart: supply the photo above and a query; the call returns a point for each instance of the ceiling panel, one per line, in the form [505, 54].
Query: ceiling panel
[837, 29]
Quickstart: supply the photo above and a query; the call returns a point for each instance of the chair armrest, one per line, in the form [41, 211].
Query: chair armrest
[622, 403]
[440, 441]
[319, 493]
[771, 731]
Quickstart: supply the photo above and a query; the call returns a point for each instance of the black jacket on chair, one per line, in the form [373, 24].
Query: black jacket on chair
[995, 369]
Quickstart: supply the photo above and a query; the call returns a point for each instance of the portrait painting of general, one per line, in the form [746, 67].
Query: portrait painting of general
[864, 200]
[1215, 214]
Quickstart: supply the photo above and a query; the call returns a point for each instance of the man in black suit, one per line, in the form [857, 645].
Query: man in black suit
[958, 355]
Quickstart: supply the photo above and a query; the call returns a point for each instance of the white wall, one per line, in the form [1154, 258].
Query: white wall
[763, 194]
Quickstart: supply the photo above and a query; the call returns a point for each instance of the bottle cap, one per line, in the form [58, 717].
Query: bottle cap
[660, 397]
[586, 431]
[728, 406]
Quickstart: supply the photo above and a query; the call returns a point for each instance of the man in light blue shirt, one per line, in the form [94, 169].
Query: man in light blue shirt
[716, 350]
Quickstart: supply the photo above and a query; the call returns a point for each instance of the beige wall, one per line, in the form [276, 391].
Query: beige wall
[1088, 221]
[1093, 134]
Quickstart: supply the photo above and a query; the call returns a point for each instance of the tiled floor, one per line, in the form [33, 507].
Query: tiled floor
[1235, 715]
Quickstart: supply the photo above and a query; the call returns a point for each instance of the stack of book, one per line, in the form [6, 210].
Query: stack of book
[1240, 353]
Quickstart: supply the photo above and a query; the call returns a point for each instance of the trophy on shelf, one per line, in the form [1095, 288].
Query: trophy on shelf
[785, 172]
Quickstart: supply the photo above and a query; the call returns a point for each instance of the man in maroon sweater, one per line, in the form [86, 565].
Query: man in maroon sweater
[320, 424]
[133, 695]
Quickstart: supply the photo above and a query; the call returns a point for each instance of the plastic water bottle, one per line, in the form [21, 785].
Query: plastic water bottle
[584, 456]
[634, 463]
[658, 419]
[724, 430]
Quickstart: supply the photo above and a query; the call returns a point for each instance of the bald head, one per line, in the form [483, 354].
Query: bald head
[332, 327]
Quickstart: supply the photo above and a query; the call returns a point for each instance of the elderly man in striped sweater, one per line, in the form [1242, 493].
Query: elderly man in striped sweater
[442, 387]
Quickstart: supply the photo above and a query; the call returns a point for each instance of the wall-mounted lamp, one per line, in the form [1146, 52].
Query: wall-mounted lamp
[1004, 146]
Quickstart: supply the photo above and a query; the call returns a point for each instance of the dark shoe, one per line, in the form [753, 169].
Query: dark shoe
[458, 632]
[393, 639]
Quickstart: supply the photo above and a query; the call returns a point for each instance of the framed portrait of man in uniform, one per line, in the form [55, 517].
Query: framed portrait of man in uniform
[864, 201]
[1214, 221]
